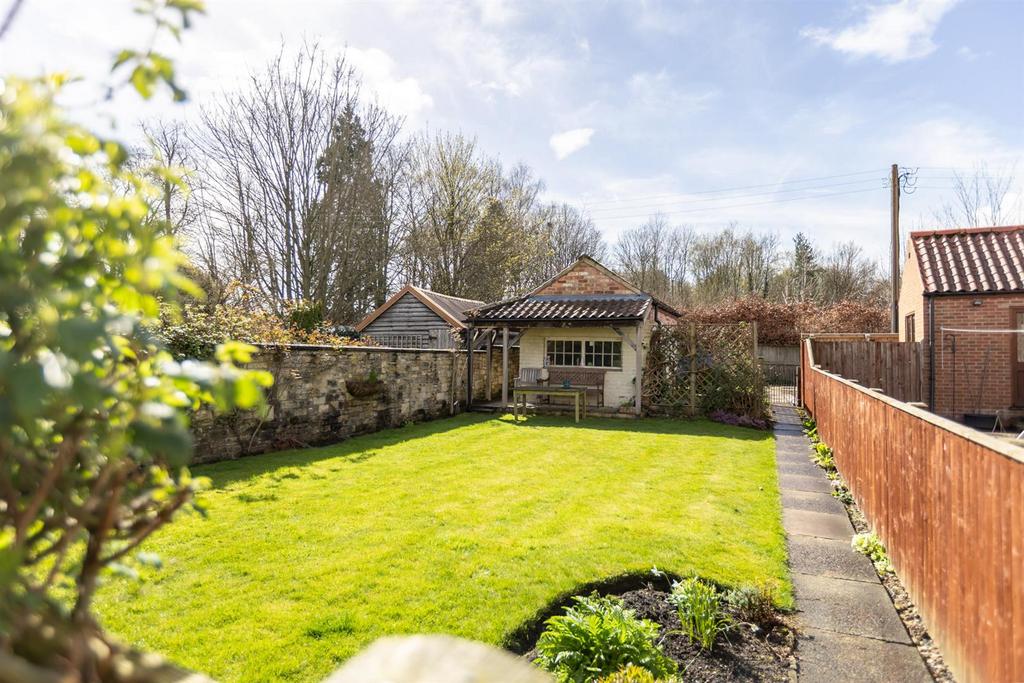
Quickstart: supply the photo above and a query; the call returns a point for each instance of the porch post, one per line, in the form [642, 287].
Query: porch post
[638, 385]
[490, 345]
[504, 366]
[469, 366]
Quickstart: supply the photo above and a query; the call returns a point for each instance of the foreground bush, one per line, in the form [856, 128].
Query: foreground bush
[598, 637]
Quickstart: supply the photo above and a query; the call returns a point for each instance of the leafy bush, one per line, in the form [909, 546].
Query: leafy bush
[598, 637]
[93, 410]
[700, 611]
[194, 330]
[870, 545]
[305, 316]
[753, 604]
[782, 323]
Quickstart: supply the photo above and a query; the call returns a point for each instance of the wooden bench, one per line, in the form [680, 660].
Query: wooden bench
[591, 379]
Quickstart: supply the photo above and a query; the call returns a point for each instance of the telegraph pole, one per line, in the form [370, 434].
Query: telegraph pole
[894, 184]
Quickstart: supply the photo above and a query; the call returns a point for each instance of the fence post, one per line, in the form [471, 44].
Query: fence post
[693, 368]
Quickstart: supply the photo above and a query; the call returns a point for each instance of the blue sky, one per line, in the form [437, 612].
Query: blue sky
[631, 108]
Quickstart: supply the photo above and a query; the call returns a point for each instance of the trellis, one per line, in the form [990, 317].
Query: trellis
[696, 368]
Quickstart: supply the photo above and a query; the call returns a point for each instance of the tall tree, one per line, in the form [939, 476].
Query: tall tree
[568, 234]
[979, 199]
[656, 257]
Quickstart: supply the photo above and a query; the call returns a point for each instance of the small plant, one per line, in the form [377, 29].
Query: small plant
[753, 604]
[841, 492]
[870, 545]
[635, 674]
[700, 611]
[598, 637]
[365, 388]
[823, 457]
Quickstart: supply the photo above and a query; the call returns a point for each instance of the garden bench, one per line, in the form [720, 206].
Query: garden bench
[590, 379]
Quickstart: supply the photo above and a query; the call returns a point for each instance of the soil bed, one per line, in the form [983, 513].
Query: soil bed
[745, 653]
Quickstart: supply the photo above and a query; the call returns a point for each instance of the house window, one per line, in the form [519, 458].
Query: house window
[590, 354]
[908, 326]
[603, 354]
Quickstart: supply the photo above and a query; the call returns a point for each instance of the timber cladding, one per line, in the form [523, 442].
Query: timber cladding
[947, 502]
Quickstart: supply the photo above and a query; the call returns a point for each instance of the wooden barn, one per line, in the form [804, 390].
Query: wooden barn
[418, 318]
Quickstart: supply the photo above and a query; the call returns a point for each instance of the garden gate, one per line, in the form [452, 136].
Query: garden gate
[780, 383]
[698, 368]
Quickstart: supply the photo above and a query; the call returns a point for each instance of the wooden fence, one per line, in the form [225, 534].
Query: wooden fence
[948, 502]
[892, 366]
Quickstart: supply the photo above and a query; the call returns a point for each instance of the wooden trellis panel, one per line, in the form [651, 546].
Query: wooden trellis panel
[691, 364]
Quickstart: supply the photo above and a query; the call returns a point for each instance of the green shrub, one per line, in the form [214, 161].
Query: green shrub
[597, 637]
[700, 611]
[753, 604]
[869, 544]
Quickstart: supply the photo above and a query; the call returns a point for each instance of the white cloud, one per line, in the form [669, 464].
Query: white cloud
[565, 143]
[403, 96]
[893, 32]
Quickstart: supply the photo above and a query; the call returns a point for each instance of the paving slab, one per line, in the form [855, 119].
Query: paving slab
[828, 656]
[855, 608]
[802, 482]
[828, 557]
[822, 524]
[812, 501]
[798, 466]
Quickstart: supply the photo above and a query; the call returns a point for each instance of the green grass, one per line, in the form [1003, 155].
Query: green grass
[466, 526]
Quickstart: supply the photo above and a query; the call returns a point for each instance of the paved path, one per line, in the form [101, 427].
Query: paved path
[849, 629]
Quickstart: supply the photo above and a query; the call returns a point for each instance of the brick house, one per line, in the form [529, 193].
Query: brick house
[586, 321]
[962, 295]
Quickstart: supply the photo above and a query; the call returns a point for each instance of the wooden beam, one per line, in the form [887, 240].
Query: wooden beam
[504, 366]
[490, 361]
[624, 337]
[638, 386]
[469, 367]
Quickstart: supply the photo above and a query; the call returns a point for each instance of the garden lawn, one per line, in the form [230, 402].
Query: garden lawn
[468, 526]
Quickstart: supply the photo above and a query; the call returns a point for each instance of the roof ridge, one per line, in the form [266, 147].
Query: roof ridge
[968, 231]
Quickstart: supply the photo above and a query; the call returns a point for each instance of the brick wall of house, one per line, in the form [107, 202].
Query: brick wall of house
[977, 378]
[586, 279]
[911, 301]
[310, 405]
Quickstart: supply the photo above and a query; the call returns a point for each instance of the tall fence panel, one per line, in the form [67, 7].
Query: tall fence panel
[894, 367]
[949, 504]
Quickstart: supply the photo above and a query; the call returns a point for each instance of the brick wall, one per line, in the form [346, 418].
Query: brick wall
[310, 405]
[586, 279]
[977, 379]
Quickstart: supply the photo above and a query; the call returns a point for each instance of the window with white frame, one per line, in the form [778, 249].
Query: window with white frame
[580, 353]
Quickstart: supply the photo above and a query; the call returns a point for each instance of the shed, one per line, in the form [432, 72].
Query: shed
[418, 318]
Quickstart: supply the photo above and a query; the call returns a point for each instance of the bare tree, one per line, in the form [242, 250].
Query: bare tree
[567, 234]
[979, 199]
[656, 257]
[848, 275]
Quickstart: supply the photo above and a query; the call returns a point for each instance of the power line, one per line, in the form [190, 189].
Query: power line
[736, 189]
[740, 196]
[739, 206]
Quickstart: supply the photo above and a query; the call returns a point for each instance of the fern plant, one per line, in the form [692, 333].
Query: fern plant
[597, 637]
[700, 611]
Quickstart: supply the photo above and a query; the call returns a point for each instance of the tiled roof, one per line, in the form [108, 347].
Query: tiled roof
[574, 308]
[454, 306]
[974, 260]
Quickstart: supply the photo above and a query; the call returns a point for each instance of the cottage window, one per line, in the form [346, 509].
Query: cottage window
[590, 354]
[908, 324]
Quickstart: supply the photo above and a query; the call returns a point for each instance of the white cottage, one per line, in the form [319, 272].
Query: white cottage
[586, 326]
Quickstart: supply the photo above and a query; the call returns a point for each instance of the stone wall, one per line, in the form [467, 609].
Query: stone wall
[309, 404]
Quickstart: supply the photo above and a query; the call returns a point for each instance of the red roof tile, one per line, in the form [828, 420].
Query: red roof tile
[971, 260]
[569, 308]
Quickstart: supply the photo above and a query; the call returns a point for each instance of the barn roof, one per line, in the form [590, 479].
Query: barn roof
[451, 309]
[971, 260]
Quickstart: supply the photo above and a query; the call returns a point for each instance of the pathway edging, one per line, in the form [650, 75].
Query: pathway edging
[849, 628]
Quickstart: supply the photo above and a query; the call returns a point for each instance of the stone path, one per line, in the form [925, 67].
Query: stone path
[849, 629]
